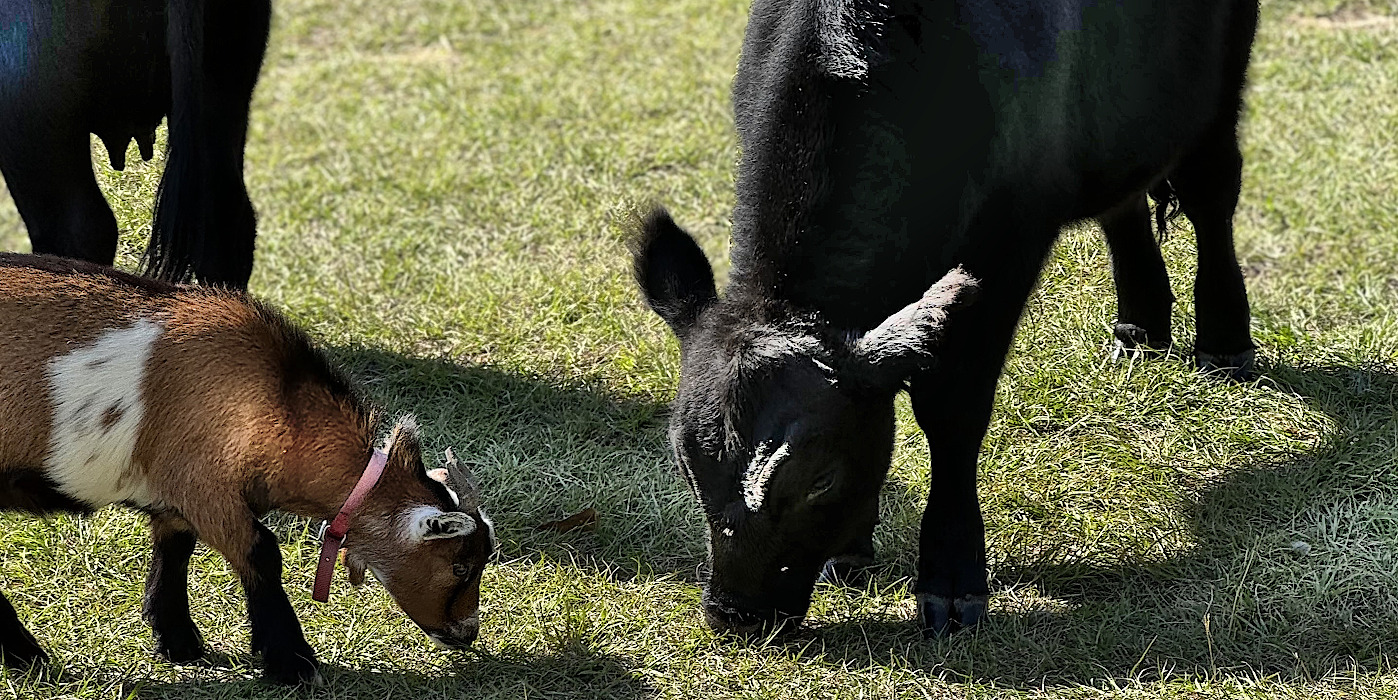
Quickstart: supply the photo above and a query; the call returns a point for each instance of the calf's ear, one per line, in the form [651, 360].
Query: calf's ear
[907, 340]
[673, 272]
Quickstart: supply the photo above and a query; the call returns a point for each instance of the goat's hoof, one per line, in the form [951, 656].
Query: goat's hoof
[23, 654]
[291, 667]
[941, 615]
[1132, 342]
[847, 571]
[180, 648]
[1239, 367]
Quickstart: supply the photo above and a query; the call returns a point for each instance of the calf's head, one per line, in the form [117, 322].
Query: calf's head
[426, 539]
[782, 426]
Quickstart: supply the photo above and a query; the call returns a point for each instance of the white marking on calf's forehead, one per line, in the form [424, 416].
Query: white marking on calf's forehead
[759, 473]
[97, 402]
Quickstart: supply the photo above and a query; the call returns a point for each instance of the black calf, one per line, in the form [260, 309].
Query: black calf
[883, 145]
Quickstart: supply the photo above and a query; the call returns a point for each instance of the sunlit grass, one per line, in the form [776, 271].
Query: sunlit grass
[439, 187]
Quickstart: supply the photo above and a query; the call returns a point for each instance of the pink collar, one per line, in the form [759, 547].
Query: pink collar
[333, 537]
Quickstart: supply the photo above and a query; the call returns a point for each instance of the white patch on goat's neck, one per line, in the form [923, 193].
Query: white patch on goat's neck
[489, 527]
[759, 474]
[95, 392]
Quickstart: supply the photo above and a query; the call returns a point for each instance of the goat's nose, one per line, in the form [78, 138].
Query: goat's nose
[459, 635]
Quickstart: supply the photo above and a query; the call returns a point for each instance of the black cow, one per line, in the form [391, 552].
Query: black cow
[885, 144]
[115, 68]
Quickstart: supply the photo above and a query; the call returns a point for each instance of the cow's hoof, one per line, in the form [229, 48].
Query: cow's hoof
[179, 647]
[1235, 368]
[848, 571]
[941, 615]
[23, 654]
[291, 666]
[1132, 342]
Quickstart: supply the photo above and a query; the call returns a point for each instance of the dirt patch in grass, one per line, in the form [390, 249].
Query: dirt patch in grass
[1349, 16]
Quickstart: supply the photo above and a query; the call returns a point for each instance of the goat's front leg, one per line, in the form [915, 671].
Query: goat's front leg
[18, 648]
[166, 605]
[276, 633]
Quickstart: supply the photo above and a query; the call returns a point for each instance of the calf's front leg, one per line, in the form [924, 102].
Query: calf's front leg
[952, 402]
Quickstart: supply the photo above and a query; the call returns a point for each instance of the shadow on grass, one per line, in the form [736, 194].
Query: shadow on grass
[544, 451]
[572, 674]
[1295, 574]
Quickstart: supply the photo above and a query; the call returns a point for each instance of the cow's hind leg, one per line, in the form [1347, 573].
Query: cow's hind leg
[205, 224]
[1143, 297]
[166, 605]
[49, 172]
[18, 648]
[1208, 181]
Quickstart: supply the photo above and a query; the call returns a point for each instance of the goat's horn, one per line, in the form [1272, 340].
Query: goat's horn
[458, 474]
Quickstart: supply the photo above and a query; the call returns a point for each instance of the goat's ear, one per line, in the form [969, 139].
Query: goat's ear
[428, 523]
[907, 340]
[671, 269]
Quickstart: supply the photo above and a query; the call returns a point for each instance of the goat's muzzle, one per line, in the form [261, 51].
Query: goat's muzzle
[459, 635]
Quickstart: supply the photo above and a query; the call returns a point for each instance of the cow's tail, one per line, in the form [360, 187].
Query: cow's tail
[1167, 207]
[204, 223]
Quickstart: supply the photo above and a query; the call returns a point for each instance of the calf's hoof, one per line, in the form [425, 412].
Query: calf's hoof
[851, 571]
[291, 666]
[941, 615]
[179, 647]
[1132, 342]
[1240, 367]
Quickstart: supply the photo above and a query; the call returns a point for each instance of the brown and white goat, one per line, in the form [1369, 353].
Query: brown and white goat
[206, 409]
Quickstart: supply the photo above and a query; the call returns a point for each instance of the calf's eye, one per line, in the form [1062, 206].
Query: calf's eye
[821, 485]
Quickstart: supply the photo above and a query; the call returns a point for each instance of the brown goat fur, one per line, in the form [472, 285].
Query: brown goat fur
[205, 409]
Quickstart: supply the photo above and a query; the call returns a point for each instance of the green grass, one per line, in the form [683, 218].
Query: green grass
[440, 189]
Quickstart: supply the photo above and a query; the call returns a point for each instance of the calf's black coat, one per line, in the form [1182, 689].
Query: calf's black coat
[883, 144]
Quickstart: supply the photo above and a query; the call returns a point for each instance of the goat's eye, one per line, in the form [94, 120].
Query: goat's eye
[460, 570]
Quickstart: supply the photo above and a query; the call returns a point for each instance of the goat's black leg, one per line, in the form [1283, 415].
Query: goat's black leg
[276, 633]
[1143, 296]
[1208, 181]
[953, 403]
[18, 648]
[48, 168]
[251, 549]
[166, 605]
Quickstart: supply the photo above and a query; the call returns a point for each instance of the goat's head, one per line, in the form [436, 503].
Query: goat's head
[426, 539]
